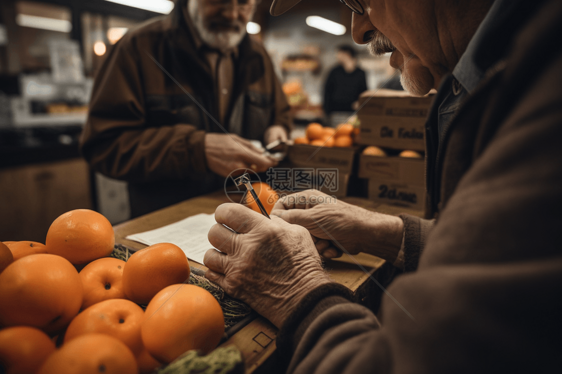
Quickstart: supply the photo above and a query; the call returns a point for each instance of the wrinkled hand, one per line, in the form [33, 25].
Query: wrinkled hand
[228, 152]
[338, 226]
[273, 133]
[269, 264]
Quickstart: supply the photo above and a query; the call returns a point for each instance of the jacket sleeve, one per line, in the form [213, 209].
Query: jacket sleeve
[485, 297]
[416, 231]
[116, 140]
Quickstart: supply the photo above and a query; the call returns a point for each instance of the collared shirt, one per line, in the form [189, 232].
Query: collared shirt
[467, 74]
[221, 64]
[466, 77]
[222, 68]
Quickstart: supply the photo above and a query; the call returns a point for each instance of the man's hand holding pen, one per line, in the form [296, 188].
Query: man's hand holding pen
[269, 264]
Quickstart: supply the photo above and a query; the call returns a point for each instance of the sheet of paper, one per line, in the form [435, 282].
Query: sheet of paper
[189, 234]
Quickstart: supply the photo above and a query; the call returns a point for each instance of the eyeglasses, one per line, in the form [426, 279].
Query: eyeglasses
[354, 5]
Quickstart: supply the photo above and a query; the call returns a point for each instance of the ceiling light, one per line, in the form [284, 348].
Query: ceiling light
[99, 48]
[157, 6]
[43, 23]
[253, 28]
[326, 25]
[116, 33]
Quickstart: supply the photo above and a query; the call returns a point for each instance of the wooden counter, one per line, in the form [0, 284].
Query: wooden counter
[257, 339]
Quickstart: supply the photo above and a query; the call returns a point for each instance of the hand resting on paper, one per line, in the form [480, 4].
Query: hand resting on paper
[269, 264]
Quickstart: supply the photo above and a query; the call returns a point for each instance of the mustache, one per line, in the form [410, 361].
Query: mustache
[378, 44]
[236, 26]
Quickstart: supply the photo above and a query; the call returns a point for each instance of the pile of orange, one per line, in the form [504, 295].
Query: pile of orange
[292, 87]
[410, 154]
[94, 313]
[379, 152]
[320, 136]
[374, 151]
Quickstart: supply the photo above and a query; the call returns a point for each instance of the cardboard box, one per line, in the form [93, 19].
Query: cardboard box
[305, 155]
[387, 192]
[393, 169]
[341, 189]
[332, 167]
[393, 119]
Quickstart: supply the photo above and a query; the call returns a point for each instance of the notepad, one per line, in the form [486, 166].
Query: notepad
[189, 234]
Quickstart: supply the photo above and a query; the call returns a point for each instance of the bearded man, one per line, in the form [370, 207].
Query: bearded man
[481, 283]
[176, 101]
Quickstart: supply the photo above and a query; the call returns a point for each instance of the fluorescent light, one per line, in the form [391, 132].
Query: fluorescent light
[326, 25]
[43, 23]
[157, 6]
[99, 48]
[253, 28]
[116, 33]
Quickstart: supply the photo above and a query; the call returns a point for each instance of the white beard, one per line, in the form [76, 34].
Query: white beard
[220, 40]
[411, 85]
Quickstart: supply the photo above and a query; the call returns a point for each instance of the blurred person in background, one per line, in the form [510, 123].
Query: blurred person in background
[176, 101]
[343, 86]
[481, 276]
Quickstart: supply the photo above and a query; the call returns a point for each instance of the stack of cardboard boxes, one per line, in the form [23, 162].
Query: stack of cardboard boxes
[394, 121]
[322, 168]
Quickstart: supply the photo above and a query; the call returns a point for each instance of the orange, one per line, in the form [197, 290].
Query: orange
[410, 154]
[91, 354]
[328, 141]
[179, 318]
[329, 132]
[80, 236]
[151, 269]
[102, 280]
[267, 196]
[343, 141]
[314, 131]
[147, 364]
[6, 257]
[303, 140]
[58, 339]
[117, 317]
[24, 349]
[317, 143]
[374, 151]
[43, 291]
[22, 249]
[344, 129]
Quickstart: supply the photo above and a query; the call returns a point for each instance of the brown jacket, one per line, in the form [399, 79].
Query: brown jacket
[486, 296]
[144, 129]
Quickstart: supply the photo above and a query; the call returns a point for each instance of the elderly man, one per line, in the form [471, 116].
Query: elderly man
[484, 296]
[176, 100]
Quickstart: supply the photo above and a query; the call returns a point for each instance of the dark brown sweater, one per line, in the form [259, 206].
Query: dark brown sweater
[487, 294]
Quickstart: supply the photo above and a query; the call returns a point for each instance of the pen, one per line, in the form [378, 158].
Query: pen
[245, 180]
